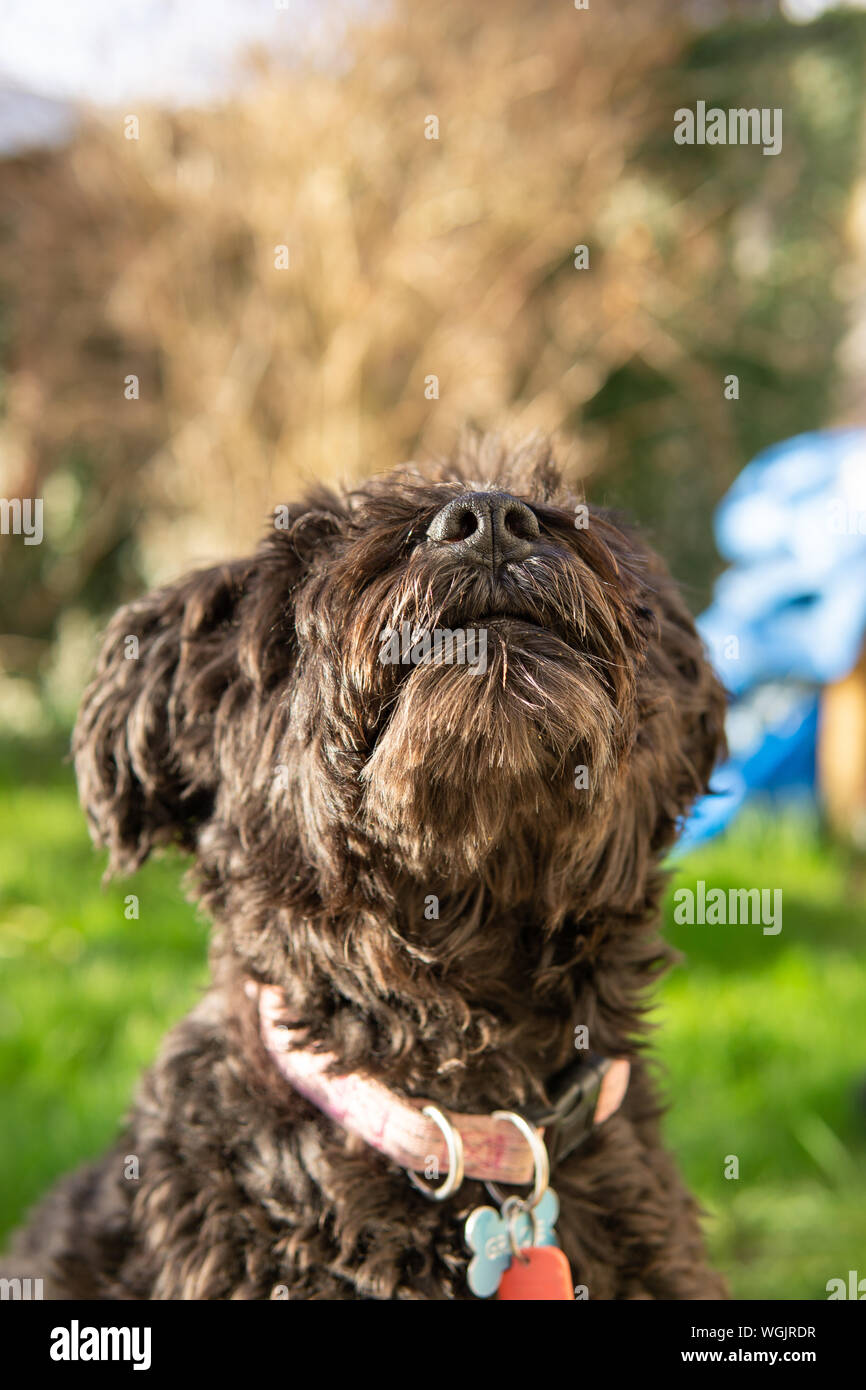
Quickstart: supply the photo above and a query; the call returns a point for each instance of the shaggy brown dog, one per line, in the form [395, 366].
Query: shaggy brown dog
[324, 796]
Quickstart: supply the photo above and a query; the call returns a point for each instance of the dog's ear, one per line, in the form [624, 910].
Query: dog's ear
[175, 669]
[684, 693]
[143, 743]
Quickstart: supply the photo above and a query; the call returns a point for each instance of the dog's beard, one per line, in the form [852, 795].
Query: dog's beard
[471, 755]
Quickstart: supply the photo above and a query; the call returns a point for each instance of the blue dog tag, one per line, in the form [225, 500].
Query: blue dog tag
[486, 1234]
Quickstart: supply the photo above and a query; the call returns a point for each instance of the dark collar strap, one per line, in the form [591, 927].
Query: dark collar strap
[579, 1094]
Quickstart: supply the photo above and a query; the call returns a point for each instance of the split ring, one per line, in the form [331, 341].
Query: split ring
[454, 1146]
[512, 1208]
[541, 1177]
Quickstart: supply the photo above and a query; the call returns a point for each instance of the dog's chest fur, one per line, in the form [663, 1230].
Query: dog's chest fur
[239, 1198]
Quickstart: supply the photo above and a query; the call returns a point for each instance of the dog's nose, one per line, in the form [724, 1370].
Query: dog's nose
[491, 527]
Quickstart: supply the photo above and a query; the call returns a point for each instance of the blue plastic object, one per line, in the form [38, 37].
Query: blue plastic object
[788, 617]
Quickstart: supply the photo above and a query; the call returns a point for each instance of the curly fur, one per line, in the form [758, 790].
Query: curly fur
[323, 796]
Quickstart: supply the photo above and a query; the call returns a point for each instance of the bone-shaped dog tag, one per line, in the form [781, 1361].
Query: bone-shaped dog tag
[487, 1236]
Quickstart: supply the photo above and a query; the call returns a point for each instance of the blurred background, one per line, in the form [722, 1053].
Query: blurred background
[248, 245]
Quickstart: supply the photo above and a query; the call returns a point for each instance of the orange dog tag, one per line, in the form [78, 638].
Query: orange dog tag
[542, 1274]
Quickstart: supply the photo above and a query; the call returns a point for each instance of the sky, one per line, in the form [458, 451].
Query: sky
[115, 52]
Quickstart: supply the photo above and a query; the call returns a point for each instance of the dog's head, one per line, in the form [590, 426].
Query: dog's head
[446, 676]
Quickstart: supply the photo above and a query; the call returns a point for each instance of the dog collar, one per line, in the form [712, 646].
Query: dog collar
[584, 1095]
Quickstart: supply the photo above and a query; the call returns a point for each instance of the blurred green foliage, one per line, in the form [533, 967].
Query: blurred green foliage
[761, 1038]
[779, 264]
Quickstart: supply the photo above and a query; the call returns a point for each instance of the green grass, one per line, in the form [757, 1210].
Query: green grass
[763, 1038]
[87, 993]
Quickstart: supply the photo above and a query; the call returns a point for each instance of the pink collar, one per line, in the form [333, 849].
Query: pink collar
[494, 1150]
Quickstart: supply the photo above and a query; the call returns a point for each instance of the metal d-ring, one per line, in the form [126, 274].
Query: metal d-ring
[539, 1155]
[454, 1146]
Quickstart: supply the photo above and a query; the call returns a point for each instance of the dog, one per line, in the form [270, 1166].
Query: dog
[433, 881]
